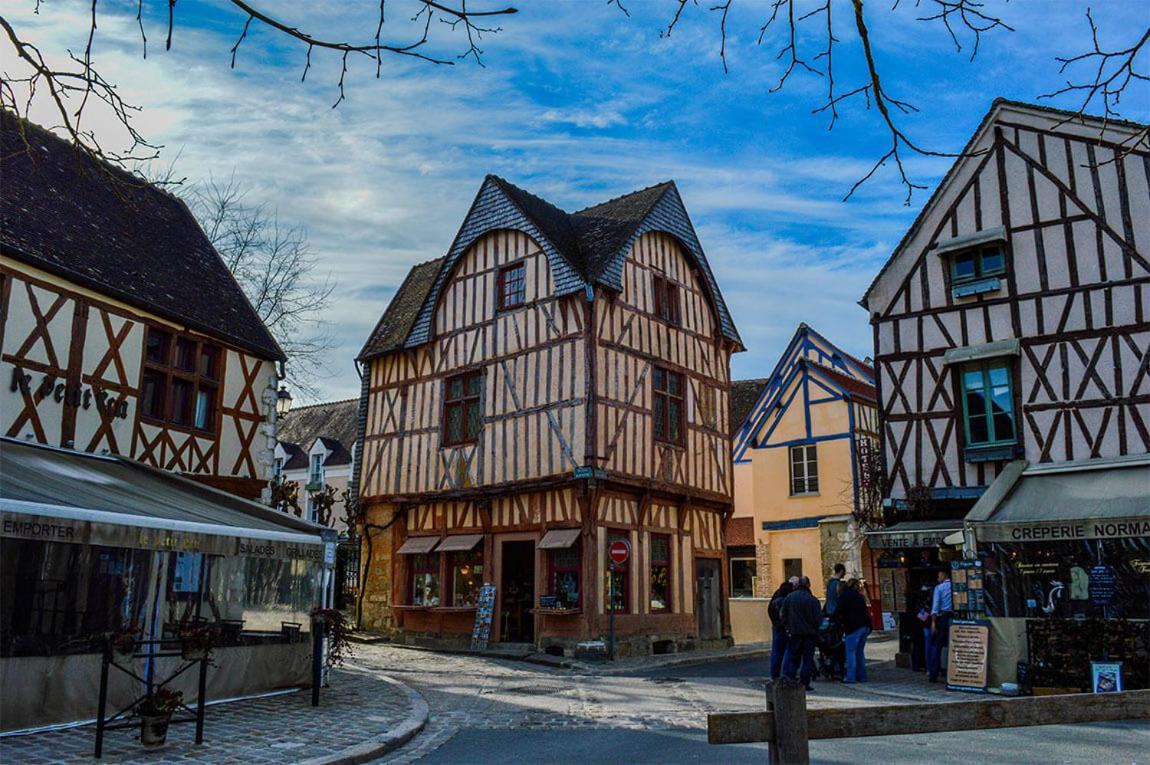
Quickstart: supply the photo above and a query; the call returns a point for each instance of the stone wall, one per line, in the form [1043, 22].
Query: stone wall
[764, 585]
[375, 603]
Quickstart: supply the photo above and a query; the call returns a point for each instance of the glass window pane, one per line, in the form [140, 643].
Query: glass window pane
[181, 402]
[992, 261]
[1003, 427]
[455, 388]
[205, 408]
[454, 423]
[209, 356]
[473, 384]
[999, 376]
[158, 346]
[185, 355]
[978, 429]
[473, 420]
[674, 421]
[660, 383]
[972, 379]
[660, 417]
[964, 266]
[675, 384]
[152, 398]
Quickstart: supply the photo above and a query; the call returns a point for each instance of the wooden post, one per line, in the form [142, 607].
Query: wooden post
[790, 745]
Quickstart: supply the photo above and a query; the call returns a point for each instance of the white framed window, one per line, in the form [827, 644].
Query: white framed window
[804, 470]
[309, 507]
[316, 469]
[279, 468]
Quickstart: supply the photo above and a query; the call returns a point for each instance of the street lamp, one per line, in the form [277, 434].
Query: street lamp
[283, 401]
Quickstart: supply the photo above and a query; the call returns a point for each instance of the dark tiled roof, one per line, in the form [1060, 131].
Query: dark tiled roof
[108, 230]
[334, 422]
[740, 532]
[855, 387]
[397, 321]
[297, 457]
[583, 248]
[744, 394]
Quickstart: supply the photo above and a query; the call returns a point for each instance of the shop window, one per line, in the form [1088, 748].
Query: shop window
[462, 407]
[58, 598]
[804, 470]
[660, 572]
[425, 579]
[512, 286]
[988, 404]
[617, 580]
[466, 577]
[667, 300]
[792, 567]
[743, 572]
[180, 384]
[668, 406]
[566, 575]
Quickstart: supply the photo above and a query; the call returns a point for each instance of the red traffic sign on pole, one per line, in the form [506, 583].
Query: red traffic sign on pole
[619, 551]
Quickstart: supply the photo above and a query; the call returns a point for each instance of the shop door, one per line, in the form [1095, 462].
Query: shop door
[708, 601]
[517, 583]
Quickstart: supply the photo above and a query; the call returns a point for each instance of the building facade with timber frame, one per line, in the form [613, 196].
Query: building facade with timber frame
[554, 383]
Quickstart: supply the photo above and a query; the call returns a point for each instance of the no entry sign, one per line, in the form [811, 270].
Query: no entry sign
[619, 551]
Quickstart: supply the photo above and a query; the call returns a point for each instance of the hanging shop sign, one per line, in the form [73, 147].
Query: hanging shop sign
[966, 668]
[1063, 531]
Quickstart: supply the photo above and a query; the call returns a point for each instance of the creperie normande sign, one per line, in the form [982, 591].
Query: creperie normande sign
[52, 388]
[1060, 532]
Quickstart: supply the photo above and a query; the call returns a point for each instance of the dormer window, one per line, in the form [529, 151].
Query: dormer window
[976, 262]
[512, 286]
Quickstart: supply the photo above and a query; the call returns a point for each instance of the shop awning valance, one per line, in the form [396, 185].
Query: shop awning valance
[59, 495]
[912, 534]
[459, 543]
[1087, 499]
[559, 539]
[417, 545]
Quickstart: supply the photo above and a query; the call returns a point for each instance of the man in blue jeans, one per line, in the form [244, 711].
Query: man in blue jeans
[941, 609]
[802, 615]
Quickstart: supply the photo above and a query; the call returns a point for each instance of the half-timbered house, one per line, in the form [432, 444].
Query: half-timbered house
[1012, 348]
[554, 383]
[122, 330]
[137, 420]
[799, 457]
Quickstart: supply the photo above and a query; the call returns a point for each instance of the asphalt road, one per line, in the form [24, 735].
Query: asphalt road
[1096, 744]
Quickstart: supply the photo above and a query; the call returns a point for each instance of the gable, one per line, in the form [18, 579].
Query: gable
[1049, 169]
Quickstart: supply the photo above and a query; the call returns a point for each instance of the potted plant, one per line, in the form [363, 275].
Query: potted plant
[155, 713]
[124, 639]
[197, 641]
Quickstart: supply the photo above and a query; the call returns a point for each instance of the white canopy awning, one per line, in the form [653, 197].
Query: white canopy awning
[559, 539]
[459, 543]
[417, 545]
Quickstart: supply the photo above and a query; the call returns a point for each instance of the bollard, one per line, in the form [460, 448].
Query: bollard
[789, 704]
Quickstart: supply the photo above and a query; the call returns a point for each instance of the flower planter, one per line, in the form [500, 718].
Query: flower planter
[154, 729]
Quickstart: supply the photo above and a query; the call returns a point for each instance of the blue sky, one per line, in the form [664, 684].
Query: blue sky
[577, 103]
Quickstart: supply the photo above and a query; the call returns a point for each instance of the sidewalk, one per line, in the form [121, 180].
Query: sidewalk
[363, 715]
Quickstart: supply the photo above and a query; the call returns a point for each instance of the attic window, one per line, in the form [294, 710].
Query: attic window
[976, 262]
[512, 286]
[667, 300]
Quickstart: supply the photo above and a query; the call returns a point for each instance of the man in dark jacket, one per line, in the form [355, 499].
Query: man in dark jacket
[802, 616]
[778, 632]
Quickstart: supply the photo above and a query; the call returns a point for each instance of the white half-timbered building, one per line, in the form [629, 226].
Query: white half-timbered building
[554, 383]
[1012, 339]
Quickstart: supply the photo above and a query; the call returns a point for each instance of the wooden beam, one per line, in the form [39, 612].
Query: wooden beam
[900, 719]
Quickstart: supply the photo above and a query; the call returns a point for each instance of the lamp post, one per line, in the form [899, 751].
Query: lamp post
[283, 401]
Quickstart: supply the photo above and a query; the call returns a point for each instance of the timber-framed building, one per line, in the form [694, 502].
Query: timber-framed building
[555, 382]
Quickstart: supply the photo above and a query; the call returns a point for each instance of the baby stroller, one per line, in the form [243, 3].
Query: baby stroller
[831, 664]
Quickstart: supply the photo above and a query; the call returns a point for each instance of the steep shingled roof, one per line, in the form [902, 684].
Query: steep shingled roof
[110, 231]
[335, 422]
[744, 395]
[584, 248]
[391, 331]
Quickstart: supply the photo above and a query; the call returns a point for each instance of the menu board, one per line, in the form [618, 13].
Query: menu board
[892, 588]
[966, 586]
[484, 611]
[967, 655]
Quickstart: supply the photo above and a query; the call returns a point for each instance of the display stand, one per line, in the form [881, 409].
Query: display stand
[121, 719]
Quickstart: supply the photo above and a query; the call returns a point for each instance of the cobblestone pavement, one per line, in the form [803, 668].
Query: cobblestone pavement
[359, 706]
[494, 694]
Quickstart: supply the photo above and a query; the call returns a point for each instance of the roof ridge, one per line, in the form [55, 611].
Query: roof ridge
[503, 181]
[323, 403]
[667, 183]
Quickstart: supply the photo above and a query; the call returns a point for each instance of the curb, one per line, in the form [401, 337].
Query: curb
[682, 660]
[389, 741]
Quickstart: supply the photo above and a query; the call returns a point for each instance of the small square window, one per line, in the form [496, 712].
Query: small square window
[978, 263]
[512, 286]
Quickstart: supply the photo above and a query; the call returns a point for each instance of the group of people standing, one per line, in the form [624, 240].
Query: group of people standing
[797, 619]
